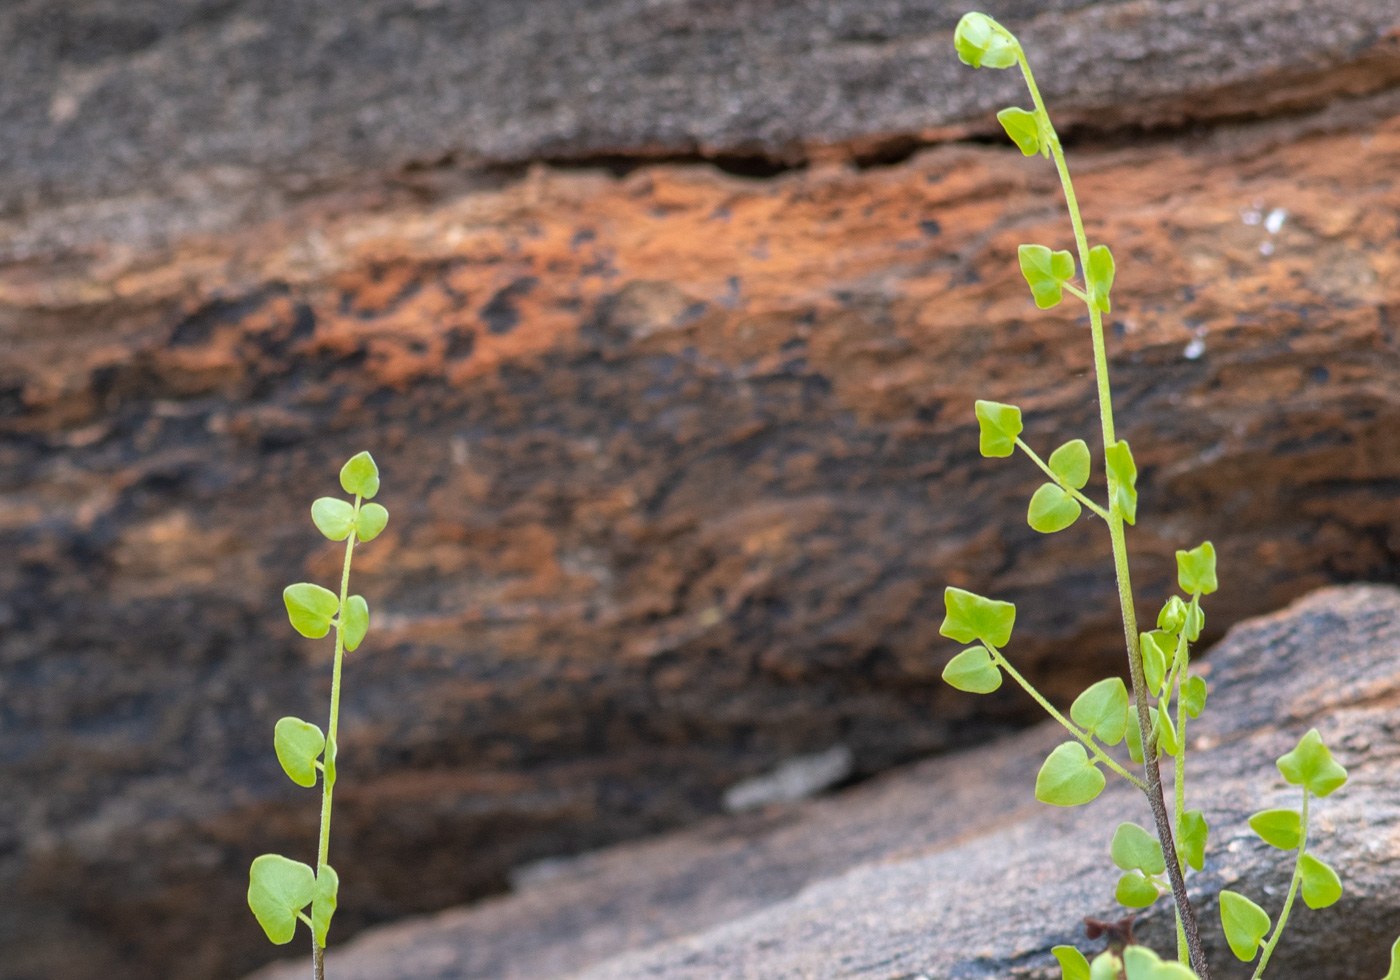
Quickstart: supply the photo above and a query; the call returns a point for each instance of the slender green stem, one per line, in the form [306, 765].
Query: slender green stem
[1181, 661]
[1053, 476]
[327, 785]
[1292, 893]
[1153, 789]
[1070, 726]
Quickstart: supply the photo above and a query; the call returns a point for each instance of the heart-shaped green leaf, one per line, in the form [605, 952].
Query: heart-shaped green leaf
[1246, 924]
[1071, 463]
[1000, 425]
[371, 521]
[298, 744]
[1134, 849]
[983, 43]
[1311, 765]
[360, 476]
[1122, 479]
[1102, 710]
[1067, 777]
[1073, 965]
[334, 517]
[1193, 695]
[973, 671]
[1135, 891]
[355, 622]
[973, 617]
[1052, 509]
[310, 608]
[1195, 570]
[323, 903]
[1158, 651]
[1106, 966]
[1321, 886]
[1023, 127]
[1173, 615]
[1193, 837]
[279, 888]
[1099, 276]
[1046, 273]
[1281, 828]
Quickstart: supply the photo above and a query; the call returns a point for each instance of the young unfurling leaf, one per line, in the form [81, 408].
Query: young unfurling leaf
[1245, 924]
[1122, 479]
[1173, 615]
[1067, 777]
[1046, 273]
[1052, 509]
[1158, 650]
[1311, 766]
[1099, 276]
[983, 43]
[973, 617]
[1024, 129]
[999, 426]
[1195, 569]
[973, 671]
[1102, 710]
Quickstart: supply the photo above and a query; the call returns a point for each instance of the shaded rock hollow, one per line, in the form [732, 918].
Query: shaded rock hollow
[679, 461]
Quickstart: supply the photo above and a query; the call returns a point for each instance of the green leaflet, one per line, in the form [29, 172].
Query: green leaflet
[1135, 891]
[1052, 509]
[360, 476]
[1000, 425]
[298, 744]
[371, 521]
[1135, 849]
[1394, 973]
[1071, 463]
[334, 517]
[1024, 129]
[1046, 273]
[973, 671]
[1321, 886]
[1246, 924]
[1073, 965]
[1195, 570]
[355, 622]
[1106, 966]
[1193, 837]
[1067, 777]
[323, 903]
[1122, 479]
[1158, 651]
[279, 888]
[1193, 695]
[310, 608]
[973, 617]
[1311, 766]
[1140, 963]
[1102, 710]
[1135, 736]
[983, 43]
[1281, 828]
[1099, 276]
[1195, 622]
[1166, 733]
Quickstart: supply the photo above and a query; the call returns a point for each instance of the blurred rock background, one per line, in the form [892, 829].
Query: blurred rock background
[664, 321]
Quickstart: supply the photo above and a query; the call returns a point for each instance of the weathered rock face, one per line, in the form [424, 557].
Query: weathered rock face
[949, 868]
[678, 461]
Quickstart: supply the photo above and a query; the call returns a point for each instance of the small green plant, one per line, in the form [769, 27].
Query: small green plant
[1164, 694]
[280, 889]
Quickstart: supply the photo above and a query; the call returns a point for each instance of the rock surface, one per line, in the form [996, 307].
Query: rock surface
[678, 461]
[948, 868]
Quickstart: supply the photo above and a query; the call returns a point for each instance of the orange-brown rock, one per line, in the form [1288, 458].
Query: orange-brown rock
[678, 464]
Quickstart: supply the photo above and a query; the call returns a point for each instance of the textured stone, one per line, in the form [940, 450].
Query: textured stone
[949, 869]
[679, 461]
